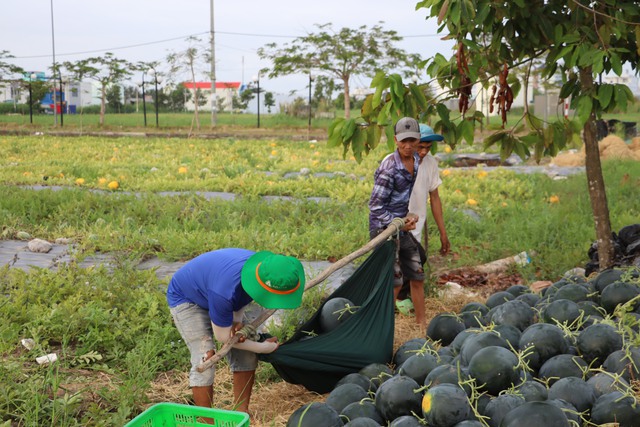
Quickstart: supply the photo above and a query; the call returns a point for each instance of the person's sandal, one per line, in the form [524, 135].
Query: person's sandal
[405, 307]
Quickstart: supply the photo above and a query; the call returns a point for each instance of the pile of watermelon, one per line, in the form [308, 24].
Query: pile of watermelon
[569, 356]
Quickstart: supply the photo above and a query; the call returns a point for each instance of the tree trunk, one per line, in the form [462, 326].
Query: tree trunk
[195, 95]
[103, 104]
[347, 99]
[595, 181]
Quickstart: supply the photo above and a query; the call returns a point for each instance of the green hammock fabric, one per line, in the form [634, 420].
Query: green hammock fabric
[366, 337]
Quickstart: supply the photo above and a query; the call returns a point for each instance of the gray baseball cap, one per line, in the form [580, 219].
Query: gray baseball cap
[407, 127]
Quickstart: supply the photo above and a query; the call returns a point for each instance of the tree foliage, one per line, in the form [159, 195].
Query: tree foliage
[39, 90]
[269, 101]
[339, 54]
[576, 40]
[189, 61]
[107, 70]
[114, 98]
[6, 68]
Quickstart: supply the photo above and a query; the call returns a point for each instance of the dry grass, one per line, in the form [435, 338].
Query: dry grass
[610, 147]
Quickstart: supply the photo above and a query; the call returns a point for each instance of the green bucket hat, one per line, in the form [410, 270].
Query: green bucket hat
[273, 281]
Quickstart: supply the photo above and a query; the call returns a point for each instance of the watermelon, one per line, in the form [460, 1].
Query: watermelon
[572, 292]
[597, 342]
[398, 396]
[445, 405]
[574, 390]
[533, 391]
[606, 277]
[444, 327]
[445, 355]
[472, 344]
[500, 406]
[345, 394]
[472, 319]
[618, 408]
[335, 312]
[509, 333]
[447, 374]
[625, 363]
[562, 366]
[545, 341]
[618, 293]
[535, 414]
[531, 299]
[456, 344]
[494, 368]
[359, 379]
[562, 311]
[362, 422]
[569, 410]
[365, 408]
[498, 298]
[377, 373]
[516, 313]
[591, 308]
[406, 421]
[313, 415]
[518, 290]
[475, 306]
[409, 348]
[418, 367]
[604, 383]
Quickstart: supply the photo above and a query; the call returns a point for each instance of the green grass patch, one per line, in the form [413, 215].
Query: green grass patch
[515, 210]
[134, 122]
[113, 323]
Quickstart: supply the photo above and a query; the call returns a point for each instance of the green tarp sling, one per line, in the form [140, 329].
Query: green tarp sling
[366, 337]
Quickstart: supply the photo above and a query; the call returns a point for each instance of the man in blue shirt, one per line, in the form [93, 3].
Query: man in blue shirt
[393, 182]
[207, 297]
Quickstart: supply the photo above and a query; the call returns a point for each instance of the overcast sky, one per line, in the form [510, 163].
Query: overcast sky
[147, 30]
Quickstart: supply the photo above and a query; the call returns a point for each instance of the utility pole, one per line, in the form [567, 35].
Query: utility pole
[53, 70]
[214, 118]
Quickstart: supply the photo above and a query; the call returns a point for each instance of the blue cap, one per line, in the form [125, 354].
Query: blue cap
[427, 134]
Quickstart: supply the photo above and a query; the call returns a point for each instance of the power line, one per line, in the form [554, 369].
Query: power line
[185, 37]
[115, 48]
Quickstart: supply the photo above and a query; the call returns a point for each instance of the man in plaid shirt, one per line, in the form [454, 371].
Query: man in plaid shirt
[393, 182]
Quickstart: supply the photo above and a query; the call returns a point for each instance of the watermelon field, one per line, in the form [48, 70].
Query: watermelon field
[502, 355]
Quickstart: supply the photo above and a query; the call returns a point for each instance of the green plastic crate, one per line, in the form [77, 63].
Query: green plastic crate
[178, 415]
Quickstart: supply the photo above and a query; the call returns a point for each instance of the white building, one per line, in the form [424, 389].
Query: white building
[225, 91]
[631, 82]
[12, 91]
[81, 94]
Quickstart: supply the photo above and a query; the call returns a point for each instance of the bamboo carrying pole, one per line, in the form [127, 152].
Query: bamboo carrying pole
[396, 225]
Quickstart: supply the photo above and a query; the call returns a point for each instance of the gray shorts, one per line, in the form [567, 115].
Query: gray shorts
[194, 325]
[408, 264]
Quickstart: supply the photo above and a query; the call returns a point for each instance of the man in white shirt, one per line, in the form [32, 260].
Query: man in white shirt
[426, 188]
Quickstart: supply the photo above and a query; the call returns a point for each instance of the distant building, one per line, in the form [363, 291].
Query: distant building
[225, 91]
[76, 94]
[631, 82]
[82, 94]
[11, 91]
[16, 91]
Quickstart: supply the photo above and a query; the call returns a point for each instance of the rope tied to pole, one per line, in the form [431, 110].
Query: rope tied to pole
[248, 331]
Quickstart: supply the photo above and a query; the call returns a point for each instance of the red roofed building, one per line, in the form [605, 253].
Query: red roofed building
[225, 91]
